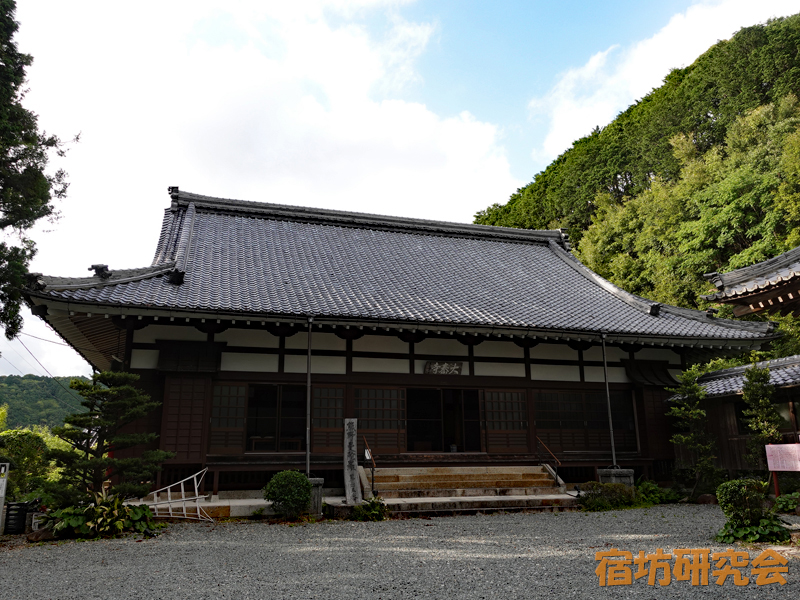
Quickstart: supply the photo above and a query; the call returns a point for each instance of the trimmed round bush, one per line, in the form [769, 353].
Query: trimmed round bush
[742, 501]
[289, 492]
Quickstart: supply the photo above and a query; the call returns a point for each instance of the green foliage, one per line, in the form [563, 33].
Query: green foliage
[650, 493]
[725, 208]
[28, 454]
[691, 423]
[3, 417]
[597, 496]
[767, 529]
[34, 400]
[787, 502]
[756, 67]
[111, 402]
[742, 501]
[105, 516]
[761, 416]
[26, 189]
[374, 509]
[289, 492]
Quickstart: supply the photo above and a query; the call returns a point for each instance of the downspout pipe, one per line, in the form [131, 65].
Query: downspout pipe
[308, 400]
[614, 464]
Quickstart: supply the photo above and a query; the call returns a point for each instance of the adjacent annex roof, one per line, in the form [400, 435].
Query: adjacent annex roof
[232, 259]
[783, 373]
[772, 286]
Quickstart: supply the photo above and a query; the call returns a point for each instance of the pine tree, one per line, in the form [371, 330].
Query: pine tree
[112, 402]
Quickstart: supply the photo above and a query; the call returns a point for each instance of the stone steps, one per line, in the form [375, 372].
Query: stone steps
[415, 507]
[464, 490]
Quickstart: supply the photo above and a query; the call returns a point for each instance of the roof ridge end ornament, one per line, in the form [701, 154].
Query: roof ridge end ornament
[564, 231]
[101, 271]
[174, 194]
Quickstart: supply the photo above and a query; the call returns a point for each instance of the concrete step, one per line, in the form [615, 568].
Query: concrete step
[466, 492]
[485, 483]
[460, 477]
[454, 505]
[458, 470]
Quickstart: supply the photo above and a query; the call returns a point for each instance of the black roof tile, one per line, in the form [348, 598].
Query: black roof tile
[271, 260]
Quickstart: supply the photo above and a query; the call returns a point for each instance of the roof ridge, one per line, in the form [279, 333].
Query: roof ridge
[774, 363]
[325, 216]
[117, 276]
[655, 308]
[763, 268]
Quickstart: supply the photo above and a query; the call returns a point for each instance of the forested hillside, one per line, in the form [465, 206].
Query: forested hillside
[700, 175]
[34, 400]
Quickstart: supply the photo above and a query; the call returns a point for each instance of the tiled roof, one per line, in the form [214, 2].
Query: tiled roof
[231, 257]
[755, 277]
[783, 372]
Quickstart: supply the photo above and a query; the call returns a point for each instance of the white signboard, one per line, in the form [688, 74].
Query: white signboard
[3, 481]
[783, 457]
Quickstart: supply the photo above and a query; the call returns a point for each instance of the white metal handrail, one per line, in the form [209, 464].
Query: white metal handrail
[181, 507]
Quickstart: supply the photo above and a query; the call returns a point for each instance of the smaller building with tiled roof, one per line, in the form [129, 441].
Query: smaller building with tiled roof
[771, 286]
[725, 407]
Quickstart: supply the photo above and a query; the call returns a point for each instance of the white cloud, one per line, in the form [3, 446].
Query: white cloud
[593, 94]
[286, 102]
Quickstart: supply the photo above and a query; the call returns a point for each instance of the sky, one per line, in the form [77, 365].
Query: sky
[428, 109]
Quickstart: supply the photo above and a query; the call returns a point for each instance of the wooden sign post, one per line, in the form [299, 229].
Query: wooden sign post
[782, 457]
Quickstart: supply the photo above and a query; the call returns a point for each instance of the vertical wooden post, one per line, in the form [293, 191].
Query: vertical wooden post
[308, 400]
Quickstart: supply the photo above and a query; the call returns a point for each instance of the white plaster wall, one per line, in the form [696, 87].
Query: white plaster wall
[615, 374]
[612, 354]
[319, 341]
[555, 373]
[419, 367]
[380, 365]
[144, 359]
[483, 369]
[261, 363]
[441, 346]
[253, 338]
[151, 333]
[380, 343]
[658, 354]
[554, 352]
[336, 365]
[495, 349]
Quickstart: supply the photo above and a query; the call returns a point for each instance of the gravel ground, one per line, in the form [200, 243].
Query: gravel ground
[547, 555]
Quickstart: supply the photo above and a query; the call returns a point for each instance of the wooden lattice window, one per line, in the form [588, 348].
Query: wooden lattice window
[228, 406]
[327, 407]
[380, 408]
[506, 411]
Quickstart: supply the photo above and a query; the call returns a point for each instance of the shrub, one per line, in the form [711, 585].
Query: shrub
[605, 496]
[649, 492]
[742, 501]
[106, 516]
[28, 452]
[787, 502]
[374, 509]
[289, 492]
